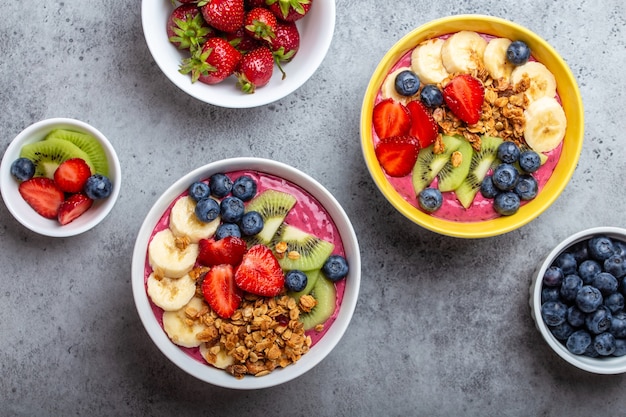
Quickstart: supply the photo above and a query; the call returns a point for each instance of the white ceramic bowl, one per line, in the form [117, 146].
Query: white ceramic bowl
[24, 213]
[328, 341]
[316, 32]
[603, 365]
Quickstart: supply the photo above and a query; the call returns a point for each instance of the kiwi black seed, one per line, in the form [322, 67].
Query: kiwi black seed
[273, 206]
[311, 251]
[326, 295]
[87, 143]
[429, 163]
[47, 155]
[482, 161]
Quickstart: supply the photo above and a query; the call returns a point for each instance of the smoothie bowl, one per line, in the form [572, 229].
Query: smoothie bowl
[471, 126]
[246, 273]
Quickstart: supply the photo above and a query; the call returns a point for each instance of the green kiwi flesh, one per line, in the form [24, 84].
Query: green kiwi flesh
[313, 251]
[312, 277]
[430, 163]
[450, 177]
[326, 295]
[482, 161]
[87, 143]
[273, 206]
[47, 155]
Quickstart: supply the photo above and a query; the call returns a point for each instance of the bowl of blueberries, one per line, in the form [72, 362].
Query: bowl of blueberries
[577, 300]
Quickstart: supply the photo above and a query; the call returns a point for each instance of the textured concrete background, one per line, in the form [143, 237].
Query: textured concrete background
[442, 327]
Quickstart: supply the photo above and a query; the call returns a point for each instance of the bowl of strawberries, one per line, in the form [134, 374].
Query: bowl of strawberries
[238, 53]
[472, 126]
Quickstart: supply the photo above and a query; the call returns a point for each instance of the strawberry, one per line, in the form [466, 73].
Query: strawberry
[251, 4]
[285, 44]
[228, 250]
[260, 24]
[224, 15]
[73, 207]
[423, 125]
[72, 174]
[186, 28]
[214, 62]
[242, 41]
[220, 291]
[289, 10]
[43, 195]
[391, 118]
[260, 273]
[397, 155]
[464, 96]
[255, 69]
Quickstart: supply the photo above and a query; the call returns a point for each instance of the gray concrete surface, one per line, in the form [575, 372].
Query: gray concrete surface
[442, 326]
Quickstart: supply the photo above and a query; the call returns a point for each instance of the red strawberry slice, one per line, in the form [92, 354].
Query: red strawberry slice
[397, 155]
[423, 125]
[43, 195]
[391, 118]
[228, 250]
[260, 273]
[464, 96]
[72, 174]
[220, 291]
[73, 207]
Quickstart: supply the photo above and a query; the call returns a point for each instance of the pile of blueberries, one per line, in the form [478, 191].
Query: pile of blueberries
[582, 297]
[508, 186]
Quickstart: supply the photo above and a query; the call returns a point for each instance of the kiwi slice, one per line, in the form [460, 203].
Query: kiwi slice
[481, 163]
[304, 251]
[326, 295]
[273, 206]
[311, 279]
[47, 155]
[87, 143]
[450, 176]
[429, 163]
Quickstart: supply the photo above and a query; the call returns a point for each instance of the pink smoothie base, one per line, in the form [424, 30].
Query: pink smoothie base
[307, 214]
[482, 208]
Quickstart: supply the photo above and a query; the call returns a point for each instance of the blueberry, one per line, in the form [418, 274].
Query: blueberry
[505, 176]
[431, 96]
[430, 199]
[553, 277]
[508, 152]
[518, 53]
[251, 223]
[553, 312]
[562, 331]
[231, 209]
[578, 342]
[199, 190]
[207, 210]
[295, 280]
[605, 282]
[600, 248]
[23, 169]
[244, 188]
[599, 321]
[570, 287]
[591, 351]
[487, 189]
[227, 229]
[407, 83]
[618, 324]
[527, 187]
[588, 299]
[604, 344]
[615, 302]
[98, 187]
[616, 266]
[567, 263]
[589, 269]
[575, 317]
[580, 252]
[549, 294]
[529, 161]
[506, 203]
[335, 267]
[620, 347]
[220, 185]
[619, 248]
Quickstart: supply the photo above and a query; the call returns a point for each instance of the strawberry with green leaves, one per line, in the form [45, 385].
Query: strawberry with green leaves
[224, 15]
[186, 27]
[243, 42]
[289, 10]
[255, 69]
[213, 63]
[285, 44]
[260, 24]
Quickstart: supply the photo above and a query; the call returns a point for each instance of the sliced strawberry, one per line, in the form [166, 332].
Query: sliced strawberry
[228, 250]
[464, 96]
[72, 175]
[423, 125]
[260, 273]
[397, 155]
[43, 195]
[220, 291]
[73, 207]
[391, 118]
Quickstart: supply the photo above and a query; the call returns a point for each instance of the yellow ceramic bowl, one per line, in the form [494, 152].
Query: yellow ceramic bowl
[567, 89]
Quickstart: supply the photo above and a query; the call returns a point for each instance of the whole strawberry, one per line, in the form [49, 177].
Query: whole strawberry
[255, 69]
[285, 44]
[242, 41]
[214, 62]
[260, 24]
[289, 10]
[224, 15]
[186, 28]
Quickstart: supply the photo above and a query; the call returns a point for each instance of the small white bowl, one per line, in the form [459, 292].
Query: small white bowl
[603, 365]
[23, 213]
[316, 33]
[328, 341]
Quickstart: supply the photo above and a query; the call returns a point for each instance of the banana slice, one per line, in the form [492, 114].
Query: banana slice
[216, 356]
[463, 52]
[495, 60]
[542, 81]
[426, 61]
[181, 328]
[545, 124]
[171, 294]
[183, 221]
[388, 89]
[170, 256]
